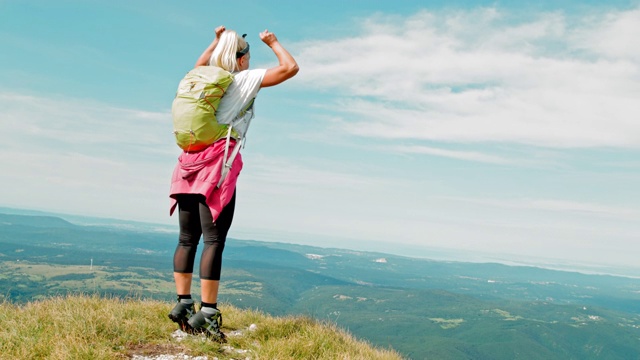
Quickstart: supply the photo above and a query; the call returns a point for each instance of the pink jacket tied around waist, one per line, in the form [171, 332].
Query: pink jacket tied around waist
[199, 173]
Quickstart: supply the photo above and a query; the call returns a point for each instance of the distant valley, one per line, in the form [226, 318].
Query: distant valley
[422, 308]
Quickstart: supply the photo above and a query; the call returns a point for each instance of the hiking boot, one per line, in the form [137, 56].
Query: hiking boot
[209, 324]
[181, 313]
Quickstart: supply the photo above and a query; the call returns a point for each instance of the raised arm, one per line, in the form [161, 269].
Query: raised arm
[287, 66]
[206, 55]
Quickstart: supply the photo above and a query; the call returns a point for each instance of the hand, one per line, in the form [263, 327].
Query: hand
[268, 38]
[219, 30]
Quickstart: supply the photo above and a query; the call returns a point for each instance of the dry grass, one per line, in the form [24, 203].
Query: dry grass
[91, 327]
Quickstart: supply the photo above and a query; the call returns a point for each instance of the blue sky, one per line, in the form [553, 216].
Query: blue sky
[500, 130]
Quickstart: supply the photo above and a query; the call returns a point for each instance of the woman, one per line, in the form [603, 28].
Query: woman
[206, 203]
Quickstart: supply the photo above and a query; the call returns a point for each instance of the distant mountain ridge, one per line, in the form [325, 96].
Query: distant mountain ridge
[39, 221]
[90, 220]
[440, 254]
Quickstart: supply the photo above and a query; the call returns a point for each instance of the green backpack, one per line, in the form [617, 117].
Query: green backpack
[194, 107]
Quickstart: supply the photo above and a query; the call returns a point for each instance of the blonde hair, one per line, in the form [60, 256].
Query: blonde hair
[224, 55]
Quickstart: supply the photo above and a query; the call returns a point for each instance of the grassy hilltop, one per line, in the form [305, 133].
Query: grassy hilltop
[93, 327]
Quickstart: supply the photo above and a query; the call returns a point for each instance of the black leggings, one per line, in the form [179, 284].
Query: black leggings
[195, 220]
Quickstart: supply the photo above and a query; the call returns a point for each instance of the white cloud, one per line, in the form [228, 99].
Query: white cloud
[583, 208]
[84, 126]
[479, 77]
[612, 35]
[455, 154]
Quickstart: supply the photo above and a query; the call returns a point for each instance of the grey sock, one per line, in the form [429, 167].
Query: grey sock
[209, 310]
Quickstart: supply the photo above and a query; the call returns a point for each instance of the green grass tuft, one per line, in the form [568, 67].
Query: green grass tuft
[93, 327]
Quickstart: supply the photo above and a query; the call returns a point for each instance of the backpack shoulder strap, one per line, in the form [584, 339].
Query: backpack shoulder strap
[227, 160]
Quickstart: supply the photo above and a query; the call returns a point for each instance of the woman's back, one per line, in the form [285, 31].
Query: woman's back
[239, 94]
